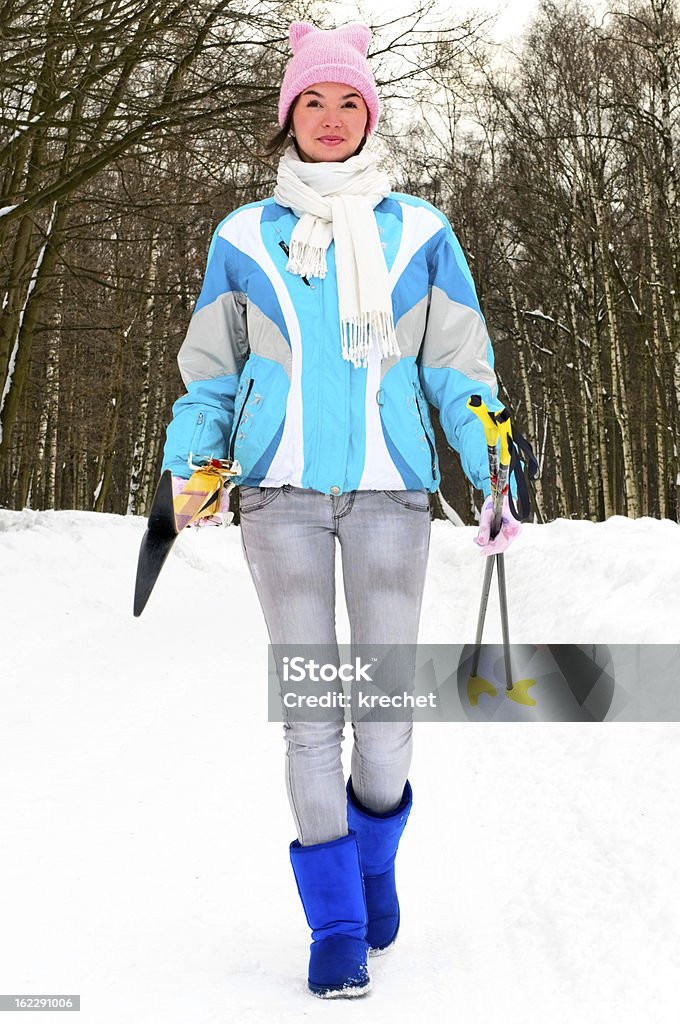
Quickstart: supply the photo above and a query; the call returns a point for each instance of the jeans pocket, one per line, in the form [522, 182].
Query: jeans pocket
[418, 501]
[253, 498]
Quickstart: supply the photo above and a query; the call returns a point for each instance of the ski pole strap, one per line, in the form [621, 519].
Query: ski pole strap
[224, 468]
[521, 454]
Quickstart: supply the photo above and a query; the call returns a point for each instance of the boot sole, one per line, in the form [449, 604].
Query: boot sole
[342, 993]
[381, 950]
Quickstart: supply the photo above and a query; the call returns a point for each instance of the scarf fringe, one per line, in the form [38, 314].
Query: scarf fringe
[306, 260]
[357, 333]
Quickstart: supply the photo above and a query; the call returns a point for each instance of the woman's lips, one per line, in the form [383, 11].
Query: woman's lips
[330, 140]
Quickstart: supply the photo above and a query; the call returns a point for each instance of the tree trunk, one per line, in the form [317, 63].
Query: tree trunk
[26, 320]
[523, 346]
[142, 421]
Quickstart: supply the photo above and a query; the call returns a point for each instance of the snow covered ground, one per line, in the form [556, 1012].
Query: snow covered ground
[143, 855]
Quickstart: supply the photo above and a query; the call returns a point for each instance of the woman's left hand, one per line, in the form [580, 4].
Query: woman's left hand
[510, 528]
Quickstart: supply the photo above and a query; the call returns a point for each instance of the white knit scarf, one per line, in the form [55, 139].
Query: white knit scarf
[335, 201]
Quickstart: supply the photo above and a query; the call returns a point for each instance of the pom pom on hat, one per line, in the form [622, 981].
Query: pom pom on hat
[329, 55]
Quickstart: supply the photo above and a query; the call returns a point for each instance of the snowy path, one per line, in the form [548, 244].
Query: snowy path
[144, 857]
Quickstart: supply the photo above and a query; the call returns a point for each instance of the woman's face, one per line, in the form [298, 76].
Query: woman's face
[329, 121]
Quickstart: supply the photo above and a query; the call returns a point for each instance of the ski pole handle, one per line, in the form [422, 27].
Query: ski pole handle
[496, 427]
[491, 433]
[505, 435]
[490, 427]
[488, 420]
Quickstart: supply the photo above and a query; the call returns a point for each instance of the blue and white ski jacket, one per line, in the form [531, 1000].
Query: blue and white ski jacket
[265, 377]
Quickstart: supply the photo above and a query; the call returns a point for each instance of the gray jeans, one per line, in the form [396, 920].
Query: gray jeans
[289, 536]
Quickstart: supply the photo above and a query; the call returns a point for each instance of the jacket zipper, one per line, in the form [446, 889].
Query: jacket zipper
[287, 252]
[240, 417]
[427, 436]
[194, 438]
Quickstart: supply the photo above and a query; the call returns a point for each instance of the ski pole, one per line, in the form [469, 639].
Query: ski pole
[486, 586]
[477, 406]
[495, 427]
[503, 421]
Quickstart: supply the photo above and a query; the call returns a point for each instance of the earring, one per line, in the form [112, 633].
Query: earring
[292, 134]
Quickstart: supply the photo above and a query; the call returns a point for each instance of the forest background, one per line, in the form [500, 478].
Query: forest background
[130, 128]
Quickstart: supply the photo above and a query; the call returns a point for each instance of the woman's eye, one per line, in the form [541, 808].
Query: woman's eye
[349, 103]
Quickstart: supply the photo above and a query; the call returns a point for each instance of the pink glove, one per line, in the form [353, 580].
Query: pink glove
[215, 520]
[510, 528]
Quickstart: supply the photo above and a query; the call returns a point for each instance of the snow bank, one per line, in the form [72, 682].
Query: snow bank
[144, 857]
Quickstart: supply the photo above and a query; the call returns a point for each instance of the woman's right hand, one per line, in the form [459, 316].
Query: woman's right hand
[217, 518]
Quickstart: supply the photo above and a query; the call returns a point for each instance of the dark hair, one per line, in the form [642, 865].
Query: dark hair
[276, 143]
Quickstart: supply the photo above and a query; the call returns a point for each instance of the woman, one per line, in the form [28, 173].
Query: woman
[329, 316]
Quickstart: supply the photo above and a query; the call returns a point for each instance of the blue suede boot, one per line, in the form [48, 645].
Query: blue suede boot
[331, 888]
[378, 836]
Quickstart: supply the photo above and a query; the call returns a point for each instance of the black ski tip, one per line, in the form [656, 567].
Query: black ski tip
[152, 555]
[162, 514]
[157, 541]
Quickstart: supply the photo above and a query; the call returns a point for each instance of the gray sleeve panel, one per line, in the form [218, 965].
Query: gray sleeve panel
[216, 342]
[266, 339]
[456, 338]
[409, 329]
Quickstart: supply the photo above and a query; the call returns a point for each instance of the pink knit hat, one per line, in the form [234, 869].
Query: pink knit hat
[334, 55]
